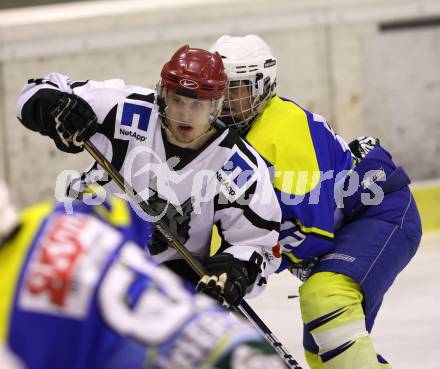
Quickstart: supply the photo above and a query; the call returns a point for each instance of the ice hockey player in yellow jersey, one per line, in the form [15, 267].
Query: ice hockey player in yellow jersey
[349, 221]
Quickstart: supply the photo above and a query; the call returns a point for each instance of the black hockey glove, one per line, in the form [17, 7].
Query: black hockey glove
[75, 122]
[227, 278]
[302, 270]
[361, 146]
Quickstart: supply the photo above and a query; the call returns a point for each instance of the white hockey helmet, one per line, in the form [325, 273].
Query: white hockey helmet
[8, 214]
[248, 62]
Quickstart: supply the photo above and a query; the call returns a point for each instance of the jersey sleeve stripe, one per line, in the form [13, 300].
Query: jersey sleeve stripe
[315, 231]
[78, 84]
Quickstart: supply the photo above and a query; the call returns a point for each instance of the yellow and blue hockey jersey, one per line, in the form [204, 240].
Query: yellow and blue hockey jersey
[78, 291]
[309, 163]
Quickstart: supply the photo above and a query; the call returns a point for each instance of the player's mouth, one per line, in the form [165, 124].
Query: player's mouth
[184, 128]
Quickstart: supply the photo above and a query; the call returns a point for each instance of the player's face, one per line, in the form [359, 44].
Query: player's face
[187, 118]
[237, 105]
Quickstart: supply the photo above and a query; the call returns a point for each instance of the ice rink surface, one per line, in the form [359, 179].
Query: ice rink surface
[407, 329]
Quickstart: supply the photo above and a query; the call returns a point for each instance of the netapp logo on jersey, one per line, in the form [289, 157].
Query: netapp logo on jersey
[224, 182]
[135, 135]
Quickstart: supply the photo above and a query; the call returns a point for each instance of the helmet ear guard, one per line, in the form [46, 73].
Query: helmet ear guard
[264, 87]
[259, 83]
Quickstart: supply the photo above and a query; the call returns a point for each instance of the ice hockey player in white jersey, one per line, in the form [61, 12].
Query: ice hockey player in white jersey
[79, 292]
[167, 144]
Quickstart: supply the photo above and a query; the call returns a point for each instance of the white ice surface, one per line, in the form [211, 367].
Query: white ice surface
[407, 329]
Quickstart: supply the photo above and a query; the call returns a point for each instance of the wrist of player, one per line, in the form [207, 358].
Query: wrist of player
[227, 278]
[303, 269]
[361, 146]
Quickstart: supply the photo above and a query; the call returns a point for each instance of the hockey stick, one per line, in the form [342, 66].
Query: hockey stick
[244, 309]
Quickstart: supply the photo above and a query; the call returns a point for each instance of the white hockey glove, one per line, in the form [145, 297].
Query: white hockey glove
[75, 122]
[227, 278]
[361, 146]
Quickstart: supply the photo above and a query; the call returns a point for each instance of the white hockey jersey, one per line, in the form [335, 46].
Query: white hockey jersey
[226, 183]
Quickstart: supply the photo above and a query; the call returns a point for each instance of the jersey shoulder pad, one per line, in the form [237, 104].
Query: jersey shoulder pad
[281, 134]
[104, 95]
[238, 170]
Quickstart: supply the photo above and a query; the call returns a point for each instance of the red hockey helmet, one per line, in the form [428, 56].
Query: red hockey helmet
[195, 73]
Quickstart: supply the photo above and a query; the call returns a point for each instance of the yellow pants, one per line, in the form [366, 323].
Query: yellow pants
[331, 307]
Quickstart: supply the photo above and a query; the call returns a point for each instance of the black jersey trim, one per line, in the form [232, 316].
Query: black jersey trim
[41, 81]
[259, 222]
[224, 244]
[248, 213]
[77, 84]
[140, 97]
[231, 139]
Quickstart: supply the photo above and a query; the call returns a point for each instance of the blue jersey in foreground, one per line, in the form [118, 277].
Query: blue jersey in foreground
[79, 292]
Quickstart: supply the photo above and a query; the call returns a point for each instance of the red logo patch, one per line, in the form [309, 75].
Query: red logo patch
[276, 250]
[52, 270]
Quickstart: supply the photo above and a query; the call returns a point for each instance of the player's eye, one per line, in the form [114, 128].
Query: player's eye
[176, 100]
[196, 105]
